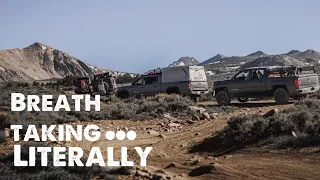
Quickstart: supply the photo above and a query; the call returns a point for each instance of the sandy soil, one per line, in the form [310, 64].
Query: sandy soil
[171, 150]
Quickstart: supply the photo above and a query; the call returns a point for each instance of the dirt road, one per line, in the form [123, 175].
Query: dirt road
[171, 151]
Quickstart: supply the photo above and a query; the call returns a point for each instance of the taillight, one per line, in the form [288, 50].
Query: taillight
[297, 82]
[190, 84]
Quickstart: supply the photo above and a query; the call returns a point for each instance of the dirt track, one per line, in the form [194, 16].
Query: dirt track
[171, 152]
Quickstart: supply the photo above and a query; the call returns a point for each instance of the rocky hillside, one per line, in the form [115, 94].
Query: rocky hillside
[214, 59]
[277, 60]
[38, 62]
[309, 56]
[185, 61]
[257, 54]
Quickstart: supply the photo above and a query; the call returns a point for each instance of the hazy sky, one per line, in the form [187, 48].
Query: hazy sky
[137, 35]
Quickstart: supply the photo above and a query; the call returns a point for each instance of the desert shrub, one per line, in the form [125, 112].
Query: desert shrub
[2, 137]
[8, 171]
[6, 120]
[303, 120]
[26, 85]
[207, 97]
[35, 83]
[220, 109]
[147, 108]
[9, 85]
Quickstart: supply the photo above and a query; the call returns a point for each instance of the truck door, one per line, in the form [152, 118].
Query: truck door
[256, 83]
[151, 86]
[147, 85]
[238, 85]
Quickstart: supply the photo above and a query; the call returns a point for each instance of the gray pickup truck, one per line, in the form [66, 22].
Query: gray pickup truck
[280, 82]
[184, 80]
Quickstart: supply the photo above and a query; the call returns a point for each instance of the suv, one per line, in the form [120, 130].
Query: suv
[184, 80]
[104, 84]
[280, 82]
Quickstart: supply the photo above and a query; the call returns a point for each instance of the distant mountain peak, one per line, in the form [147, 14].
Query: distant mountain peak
[311, 51]
[294, 51]
[258, 53]
[38, 46]
[220, 56]
[185, 61]
[215, 58]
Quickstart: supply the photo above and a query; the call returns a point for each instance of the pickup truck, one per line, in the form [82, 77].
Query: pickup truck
[184, 80]
[279, 82]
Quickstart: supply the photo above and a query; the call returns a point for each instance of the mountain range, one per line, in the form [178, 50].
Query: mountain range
[294, 57]
[39, 62]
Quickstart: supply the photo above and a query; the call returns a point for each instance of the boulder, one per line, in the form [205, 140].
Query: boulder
[174, 124]
[7, 132]
[191, 121]
[205, 116]
[153, 133]
[195, 117]
[271, 112]
[168, 116]
[197, 109]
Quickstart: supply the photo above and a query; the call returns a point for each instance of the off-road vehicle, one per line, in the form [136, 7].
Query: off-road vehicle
[280, 82]
[184, 80]
[104, 84]
[83, 85]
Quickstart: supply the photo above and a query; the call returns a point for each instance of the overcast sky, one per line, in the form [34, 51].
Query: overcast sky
[138, 35]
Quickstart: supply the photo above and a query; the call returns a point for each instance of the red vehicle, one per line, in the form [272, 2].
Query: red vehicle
[83, 86]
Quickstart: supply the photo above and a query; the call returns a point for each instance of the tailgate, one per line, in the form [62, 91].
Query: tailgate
[308, 80]
[199, 85]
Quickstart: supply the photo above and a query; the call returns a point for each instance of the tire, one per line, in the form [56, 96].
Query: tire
[281, 96]
[223, 98]
[243, 100]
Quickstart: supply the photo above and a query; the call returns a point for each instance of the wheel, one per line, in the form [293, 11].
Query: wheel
[281, 96]
[223, 98]
[242, 100]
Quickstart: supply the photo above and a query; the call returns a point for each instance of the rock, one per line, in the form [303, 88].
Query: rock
[197, 109]
[7, 132]
[161, 175]
[271, 112]
[126, 129]
[142, 173]
[214, 117]
[195, 117]
[161, 124]
[124, 170]
[190, 121]
[173, 164]
[214, 114]
[207, 169]
[174, 124]
[246, 109]
[162, 136]
[153, 133]
[168, 116]
[197, 134]
[205, 116]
